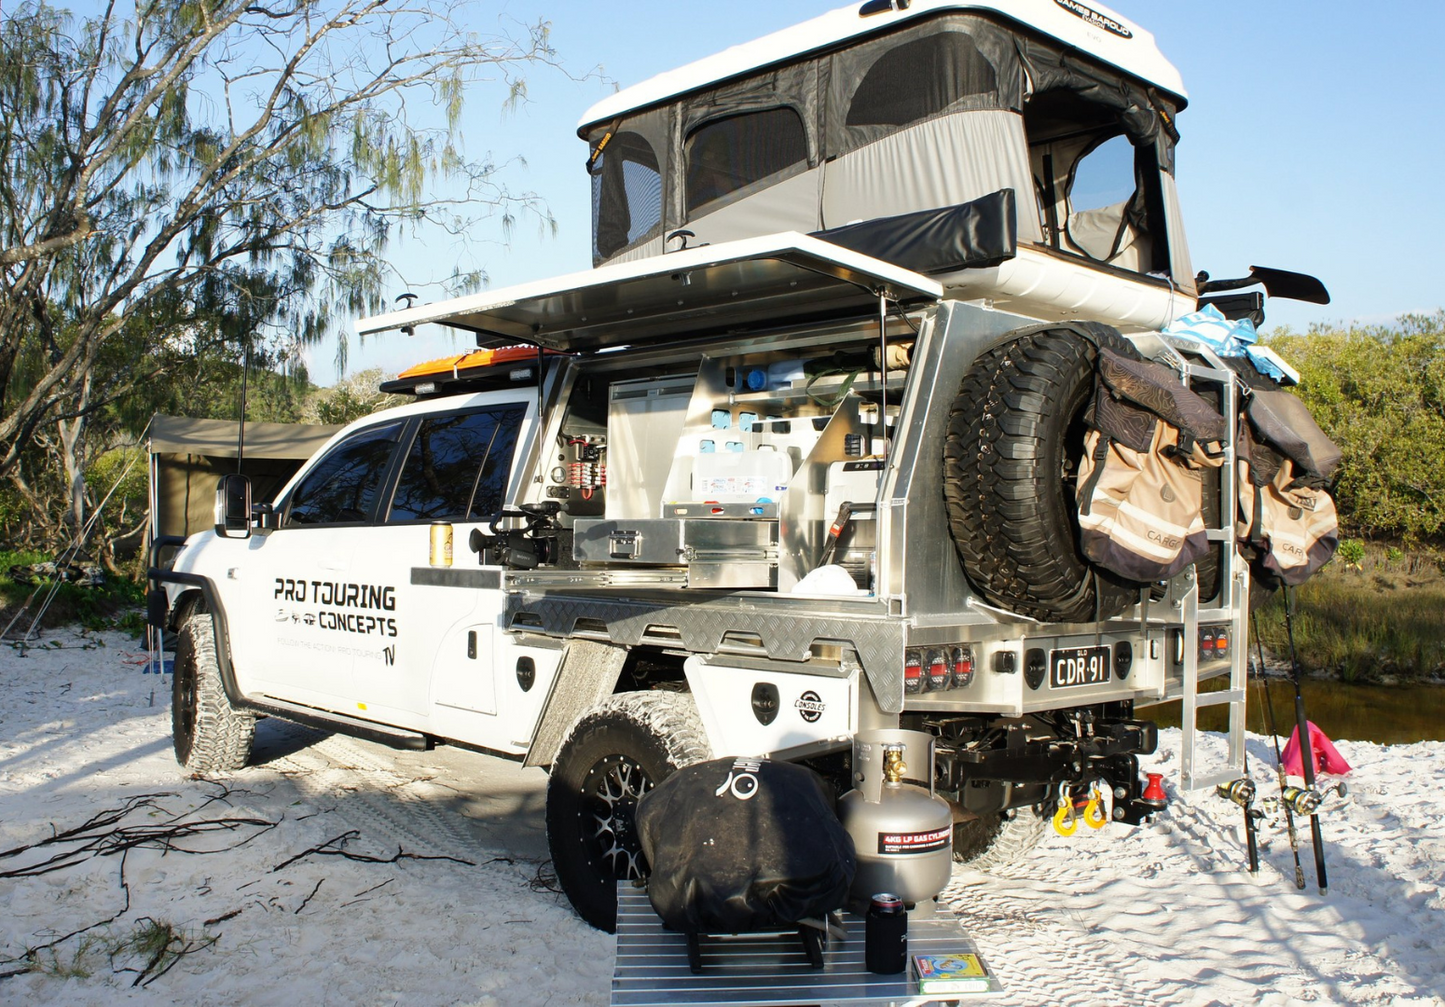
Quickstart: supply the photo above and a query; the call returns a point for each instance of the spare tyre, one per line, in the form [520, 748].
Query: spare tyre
[1015, 439]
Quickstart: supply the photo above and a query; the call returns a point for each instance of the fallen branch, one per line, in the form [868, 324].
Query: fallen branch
[308, 898]
[336, 847]
[545, 880]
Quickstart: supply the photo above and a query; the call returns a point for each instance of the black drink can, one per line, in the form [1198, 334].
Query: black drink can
[885, 935]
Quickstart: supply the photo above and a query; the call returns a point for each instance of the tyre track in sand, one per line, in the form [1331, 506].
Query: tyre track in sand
[367, 791]
[1043, 954]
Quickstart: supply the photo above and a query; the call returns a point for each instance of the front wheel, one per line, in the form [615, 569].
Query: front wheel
[611, 757]
[211, 736]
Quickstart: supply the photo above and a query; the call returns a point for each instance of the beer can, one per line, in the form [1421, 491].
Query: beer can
[885, 935]
[441, 543]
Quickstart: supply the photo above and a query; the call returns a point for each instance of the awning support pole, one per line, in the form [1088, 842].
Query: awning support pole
[883, 367]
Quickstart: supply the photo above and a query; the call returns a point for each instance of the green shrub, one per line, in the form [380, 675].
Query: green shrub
[1351, 552]
[114, 604]
[1365, 628]
[1379, 392]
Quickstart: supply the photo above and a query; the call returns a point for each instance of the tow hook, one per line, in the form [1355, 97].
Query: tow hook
[1094, 816]
[1072, 809]
[1066, 819]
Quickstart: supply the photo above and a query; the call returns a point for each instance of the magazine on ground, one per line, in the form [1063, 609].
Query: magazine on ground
[962, 973]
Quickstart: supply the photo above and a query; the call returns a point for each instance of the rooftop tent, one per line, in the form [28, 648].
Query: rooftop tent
[188, 457]
[847, 118]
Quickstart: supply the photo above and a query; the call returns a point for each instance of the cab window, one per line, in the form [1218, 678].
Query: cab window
[457, 466]
[343, 487]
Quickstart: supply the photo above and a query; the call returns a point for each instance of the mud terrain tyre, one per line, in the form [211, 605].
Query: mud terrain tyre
[1015, 437]
[210, 735]
[997, 839]
[610, 758]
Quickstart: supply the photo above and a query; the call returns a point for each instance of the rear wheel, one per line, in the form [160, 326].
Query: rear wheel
[610, 759]
[211, 736]
[998, 838]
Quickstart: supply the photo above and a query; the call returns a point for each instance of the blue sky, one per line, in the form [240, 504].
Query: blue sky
[1313, 141]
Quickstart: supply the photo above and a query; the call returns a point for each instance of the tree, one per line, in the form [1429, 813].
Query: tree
[1379, 392]
[198, 375]
[349, 399]
[221, 171]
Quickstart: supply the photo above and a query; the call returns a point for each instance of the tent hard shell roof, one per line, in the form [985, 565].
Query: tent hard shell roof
[1090, 28]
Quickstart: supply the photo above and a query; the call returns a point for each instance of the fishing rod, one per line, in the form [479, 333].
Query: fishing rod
[1309, 801]
[1299, 871]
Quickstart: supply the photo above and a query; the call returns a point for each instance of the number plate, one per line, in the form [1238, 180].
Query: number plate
[1078, 666]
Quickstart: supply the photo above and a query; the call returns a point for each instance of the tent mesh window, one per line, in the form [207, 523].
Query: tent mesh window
[919, 79]
[727, 154]
[626, 193]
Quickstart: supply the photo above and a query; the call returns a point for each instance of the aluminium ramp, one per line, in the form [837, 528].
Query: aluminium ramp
[652, 969]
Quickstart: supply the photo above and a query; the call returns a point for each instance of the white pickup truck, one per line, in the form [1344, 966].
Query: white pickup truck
[794, 460]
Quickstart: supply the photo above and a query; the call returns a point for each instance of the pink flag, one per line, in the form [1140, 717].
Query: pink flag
[1327, 757]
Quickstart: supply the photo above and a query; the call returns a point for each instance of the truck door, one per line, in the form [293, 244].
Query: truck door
[455, 467]
[303, 616]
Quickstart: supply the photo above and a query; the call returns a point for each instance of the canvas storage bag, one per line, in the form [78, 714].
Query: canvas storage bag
[1141, 487]
[1285, 462]
[740, 845]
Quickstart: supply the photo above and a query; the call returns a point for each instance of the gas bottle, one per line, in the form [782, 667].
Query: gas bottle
[902, 832]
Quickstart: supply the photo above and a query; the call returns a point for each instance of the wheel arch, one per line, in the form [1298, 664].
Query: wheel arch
[199, 595]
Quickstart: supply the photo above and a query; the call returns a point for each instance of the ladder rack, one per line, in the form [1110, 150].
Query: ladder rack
[1231, 604]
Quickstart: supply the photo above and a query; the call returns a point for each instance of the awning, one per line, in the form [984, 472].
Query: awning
[773, 279]
[181, 435]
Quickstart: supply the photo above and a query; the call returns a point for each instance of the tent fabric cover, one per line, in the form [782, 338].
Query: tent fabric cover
[940, 162]
[183, 435]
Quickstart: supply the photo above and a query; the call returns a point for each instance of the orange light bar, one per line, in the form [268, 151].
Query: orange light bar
[473, 360]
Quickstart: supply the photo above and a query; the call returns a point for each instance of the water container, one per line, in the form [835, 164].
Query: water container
[776, 375]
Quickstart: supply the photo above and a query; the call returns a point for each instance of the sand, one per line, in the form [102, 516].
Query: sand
[267, 912]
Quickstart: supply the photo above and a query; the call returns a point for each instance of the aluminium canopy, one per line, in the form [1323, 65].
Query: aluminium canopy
[188, 457]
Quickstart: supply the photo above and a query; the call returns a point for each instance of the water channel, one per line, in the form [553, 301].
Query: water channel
[1384, 714]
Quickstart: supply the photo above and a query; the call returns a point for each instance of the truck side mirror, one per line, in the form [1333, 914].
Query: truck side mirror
[233, 507]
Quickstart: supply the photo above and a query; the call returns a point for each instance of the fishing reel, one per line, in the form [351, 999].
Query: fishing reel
[1304, 801]
[1241, 792]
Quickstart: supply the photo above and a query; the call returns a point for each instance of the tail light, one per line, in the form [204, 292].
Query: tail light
[1213, 643]
[962, 660]
[940, 675]
[913, 671]
[937, 669]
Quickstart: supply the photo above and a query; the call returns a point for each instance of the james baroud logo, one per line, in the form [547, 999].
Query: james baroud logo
[1094, 18]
